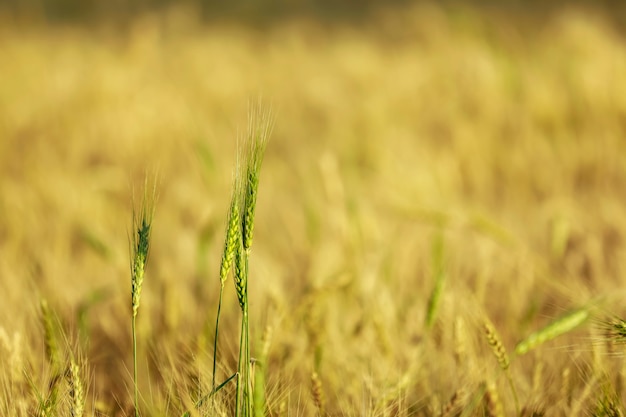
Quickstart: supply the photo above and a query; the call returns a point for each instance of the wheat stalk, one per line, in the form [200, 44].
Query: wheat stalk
[231, 243]
[140, 247]
[259, 128]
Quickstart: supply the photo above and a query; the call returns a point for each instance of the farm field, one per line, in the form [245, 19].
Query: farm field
[440, 223]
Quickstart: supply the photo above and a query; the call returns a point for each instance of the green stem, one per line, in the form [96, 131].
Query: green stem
[248, 390]
[135, 366]
[240, 370]
[219, 387]
[217, 324]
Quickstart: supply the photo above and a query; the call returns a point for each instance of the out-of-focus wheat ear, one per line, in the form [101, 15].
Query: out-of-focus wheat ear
[439, 278]
[554, 329]
[496, 346]
[493, 407]
[259, 128]
[77, 389]
[502, 356]
[317, 394]
[455, 403]
[460, 342]
[608, 402]
[614, 332]
[50, 341]
[48, 406]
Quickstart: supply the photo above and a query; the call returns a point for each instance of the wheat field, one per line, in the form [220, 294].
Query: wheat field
[441, 184]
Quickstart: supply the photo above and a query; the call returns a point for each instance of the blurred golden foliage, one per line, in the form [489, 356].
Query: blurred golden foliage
[504, 139]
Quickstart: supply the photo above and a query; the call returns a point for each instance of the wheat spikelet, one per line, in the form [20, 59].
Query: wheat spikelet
[77, 390]
[241, 275]
[142, 226]
[455, 403]
[316, 393]
[493, 407]
[614, 332]
[608, 404]
[259, 129]
[554, 329]
[496, 346]
[233, 231]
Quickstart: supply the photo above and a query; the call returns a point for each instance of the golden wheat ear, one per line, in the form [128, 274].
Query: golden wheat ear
[77, 389]
[317, 394]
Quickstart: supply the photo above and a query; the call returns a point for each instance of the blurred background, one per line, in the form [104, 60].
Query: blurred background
[92, 11]
[497, 128]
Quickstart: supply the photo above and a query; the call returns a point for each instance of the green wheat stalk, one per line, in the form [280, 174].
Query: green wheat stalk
[140, 245]
[259, 128]
[231, 241]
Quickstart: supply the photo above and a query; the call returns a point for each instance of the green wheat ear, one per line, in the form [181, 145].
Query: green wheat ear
[140, 247]
[233, 233]
[554, 329]
[142, 224]
[259, 129]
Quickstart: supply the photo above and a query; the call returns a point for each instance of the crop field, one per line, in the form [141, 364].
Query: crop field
[437, 195]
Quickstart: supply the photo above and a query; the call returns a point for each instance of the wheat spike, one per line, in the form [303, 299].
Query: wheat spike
[259, 129]
[241, 275]
[556, 328]
[233, 231]
[50, 342]
[142, 226]
[77, 390]
[496, 346]
[454, 404]
[492, 401]
[316, 393]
